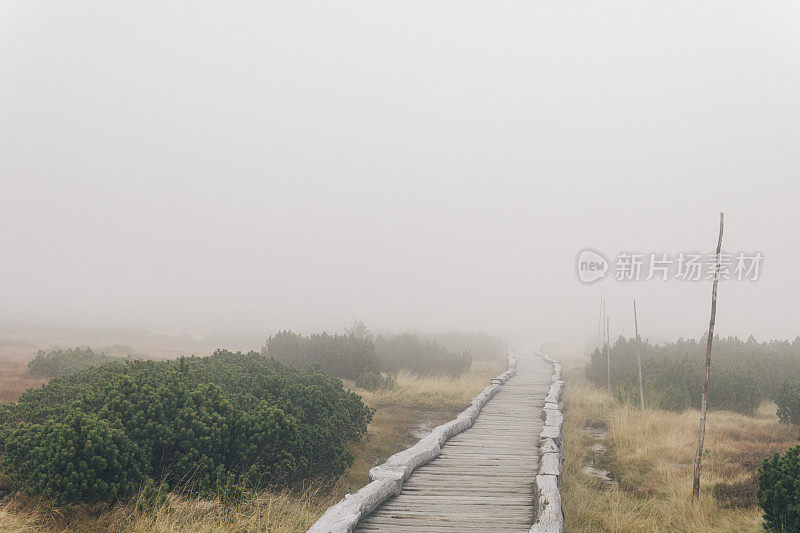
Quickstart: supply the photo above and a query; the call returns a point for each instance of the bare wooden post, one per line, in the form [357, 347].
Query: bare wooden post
[638, 355]
[608, 355]
[600, 325]
[704, 402]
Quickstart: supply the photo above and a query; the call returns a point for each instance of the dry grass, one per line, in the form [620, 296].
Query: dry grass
[402, 416]
[650, 455]
[12, 386]
[14, 379]
[13, 522]
[267, 511]
[435, 392]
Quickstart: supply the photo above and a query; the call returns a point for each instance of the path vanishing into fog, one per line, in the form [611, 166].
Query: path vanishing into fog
[483, 479]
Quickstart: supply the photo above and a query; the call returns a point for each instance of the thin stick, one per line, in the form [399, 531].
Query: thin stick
[608, 354]
[704, 401]
[603, 323]
[638, 356]
[600, 325]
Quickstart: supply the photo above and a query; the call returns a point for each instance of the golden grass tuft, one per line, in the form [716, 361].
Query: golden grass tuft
[266, 511]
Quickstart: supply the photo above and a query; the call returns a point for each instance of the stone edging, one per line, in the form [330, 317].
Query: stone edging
[547, 486]
[387, 479]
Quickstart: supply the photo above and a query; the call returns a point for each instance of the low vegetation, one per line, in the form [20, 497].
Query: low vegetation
[419, 356]
[750, 467]
[343, 356]
[400, 414]
[372, 381]
[788, 400]
[266, 511]
[744, 374]
[779, 491]
[59, 362]
[217, 424]
[374, 362]
[648, 456]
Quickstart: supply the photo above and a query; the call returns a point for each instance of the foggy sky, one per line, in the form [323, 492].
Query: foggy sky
[428, 165]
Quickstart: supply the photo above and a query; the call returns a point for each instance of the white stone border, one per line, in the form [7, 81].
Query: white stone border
[547, 485]
[387, 479]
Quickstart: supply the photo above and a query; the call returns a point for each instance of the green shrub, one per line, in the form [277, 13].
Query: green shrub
[80, 457]
[422, 357]
[743, 374]
[373, 381]
[788, 400]
[203, 424]
[356, 356]
[779, 491]
[343, 356]
[265, 438]
[58, 362]
[182, 428]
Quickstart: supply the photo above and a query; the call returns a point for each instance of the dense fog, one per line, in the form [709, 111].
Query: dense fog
[190, 167]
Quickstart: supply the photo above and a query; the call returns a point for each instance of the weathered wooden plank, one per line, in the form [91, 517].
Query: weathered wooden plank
[411, 517]
[424, 528]
[502, 500]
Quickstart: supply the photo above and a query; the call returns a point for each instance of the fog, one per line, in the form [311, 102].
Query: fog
[199, 166]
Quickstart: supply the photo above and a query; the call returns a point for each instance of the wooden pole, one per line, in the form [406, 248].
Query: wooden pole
[600, 325]
[608, 354]
[603, 323]
[638, 356]
[704, 402]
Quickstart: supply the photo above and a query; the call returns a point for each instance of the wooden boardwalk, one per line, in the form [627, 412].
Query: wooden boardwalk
[483, 479]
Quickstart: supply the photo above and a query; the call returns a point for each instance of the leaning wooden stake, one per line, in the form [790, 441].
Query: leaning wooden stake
[704, 402]
[608, 355]
[638, 356]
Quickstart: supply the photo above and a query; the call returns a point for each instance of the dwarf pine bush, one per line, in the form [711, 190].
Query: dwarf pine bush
[779, 491]
[200, 424]
[788, 400]
[58, 362]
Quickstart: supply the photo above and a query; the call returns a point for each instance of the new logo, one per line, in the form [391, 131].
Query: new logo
[592, 266]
